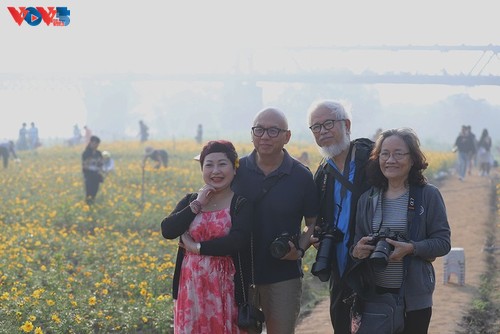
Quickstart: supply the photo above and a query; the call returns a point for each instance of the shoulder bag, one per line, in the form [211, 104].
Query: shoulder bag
[249, 315]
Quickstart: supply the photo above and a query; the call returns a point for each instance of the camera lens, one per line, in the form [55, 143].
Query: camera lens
[322, 266]
[380, 256]
[279, 247]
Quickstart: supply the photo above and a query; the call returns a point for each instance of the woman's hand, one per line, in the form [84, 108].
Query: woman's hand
[205, 193]
[187, 242]
[363, 249]
[401, 249]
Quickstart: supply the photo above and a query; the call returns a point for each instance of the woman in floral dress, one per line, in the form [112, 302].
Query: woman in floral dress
[213, 225]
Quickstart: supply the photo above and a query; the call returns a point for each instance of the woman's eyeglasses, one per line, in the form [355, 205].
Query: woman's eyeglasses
[384, 156]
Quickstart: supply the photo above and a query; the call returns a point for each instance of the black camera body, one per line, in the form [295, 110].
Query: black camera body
[279, 247]
[328, 237]
[380, 255]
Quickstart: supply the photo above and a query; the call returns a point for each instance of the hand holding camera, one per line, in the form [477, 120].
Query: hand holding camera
[285, 247]
[383, 248]
[328, 236]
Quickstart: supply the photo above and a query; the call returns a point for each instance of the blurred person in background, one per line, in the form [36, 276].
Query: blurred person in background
[87, 133]
[22, 141]
[213, 226]
[465, 146]
[160, 157]
[33, 139]
[6, 149]
[484, 157]
[143, 131]
[402, 202]
[199, 134]
[77, 135]
[91, 169]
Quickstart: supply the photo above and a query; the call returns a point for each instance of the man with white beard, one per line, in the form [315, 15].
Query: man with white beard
[340, 180]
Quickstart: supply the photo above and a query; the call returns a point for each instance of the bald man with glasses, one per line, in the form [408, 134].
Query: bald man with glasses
[284, 193]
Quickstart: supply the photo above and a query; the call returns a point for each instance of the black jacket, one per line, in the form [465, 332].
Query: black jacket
[325, 181]
[238, 239]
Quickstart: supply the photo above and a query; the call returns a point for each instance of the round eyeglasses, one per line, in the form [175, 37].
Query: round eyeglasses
[272, 132]
[384, 156]
[328, 124]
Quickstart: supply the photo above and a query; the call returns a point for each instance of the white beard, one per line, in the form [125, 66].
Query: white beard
[335, 149]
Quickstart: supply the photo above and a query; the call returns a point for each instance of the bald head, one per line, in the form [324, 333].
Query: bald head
[273, 115]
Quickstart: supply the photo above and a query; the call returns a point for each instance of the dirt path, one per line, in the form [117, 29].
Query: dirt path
[468, 205]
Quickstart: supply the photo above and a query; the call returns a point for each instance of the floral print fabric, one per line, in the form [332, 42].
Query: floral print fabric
[205, 303]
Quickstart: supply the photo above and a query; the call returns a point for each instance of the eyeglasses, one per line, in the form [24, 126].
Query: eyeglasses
[384, 156]
[328, 124]
[272, 132]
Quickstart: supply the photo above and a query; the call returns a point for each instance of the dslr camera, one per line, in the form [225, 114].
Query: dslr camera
[380, 255]
[280, 247]
[328, 236]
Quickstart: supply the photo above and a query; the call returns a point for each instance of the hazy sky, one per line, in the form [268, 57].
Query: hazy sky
[215, 36]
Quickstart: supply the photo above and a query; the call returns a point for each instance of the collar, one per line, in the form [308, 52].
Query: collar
[284, 168]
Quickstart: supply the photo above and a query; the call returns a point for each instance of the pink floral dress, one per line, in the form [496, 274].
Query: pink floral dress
[205, 302]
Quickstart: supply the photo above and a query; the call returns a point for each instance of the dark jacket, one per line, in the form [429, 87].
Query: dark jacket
[325, 180]
[238, 239]
[432, 239]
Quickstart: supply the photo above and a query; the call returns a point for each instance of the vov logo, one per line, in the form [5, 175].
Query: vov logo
[56, 16]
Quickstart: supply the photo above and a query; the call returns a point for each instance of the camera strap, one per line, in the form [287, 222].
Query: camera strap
[414, 201]
[344, 177]
[267, 185]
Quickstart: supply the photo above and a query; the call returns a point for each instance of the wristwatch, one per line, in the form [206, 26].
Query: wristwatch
[302, 251]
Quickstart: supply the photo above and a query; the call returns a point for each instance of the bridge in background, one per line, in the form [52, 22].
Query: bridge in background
[246, 72]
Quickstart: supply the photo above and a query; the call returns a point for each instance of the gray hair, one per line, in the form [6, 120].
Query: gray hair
[337, 109]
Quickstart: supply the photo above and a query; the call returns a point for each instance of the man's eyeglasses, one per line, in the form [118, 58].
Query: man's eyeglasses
[272, 132]
[384, 156]
[328, 124]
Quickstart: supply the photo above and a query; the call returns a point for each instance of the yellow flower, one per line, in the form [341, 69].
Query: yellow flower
[144, 319]
[55, 318]
[27, 327]
[32, 318]
[38, 330]
[50, 302]
[37, 293]
[92, 301]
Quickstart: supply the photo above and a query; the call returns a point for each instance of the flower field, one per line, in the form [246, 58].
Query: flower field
[66, 267]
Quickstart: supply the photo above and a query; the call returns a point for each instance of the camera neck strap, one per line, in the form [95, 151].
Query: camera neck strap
[414, 201]
[343, 177]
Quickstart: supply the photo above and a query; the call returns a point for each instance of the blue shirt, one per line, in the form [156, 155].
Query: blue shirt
[342, 204]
